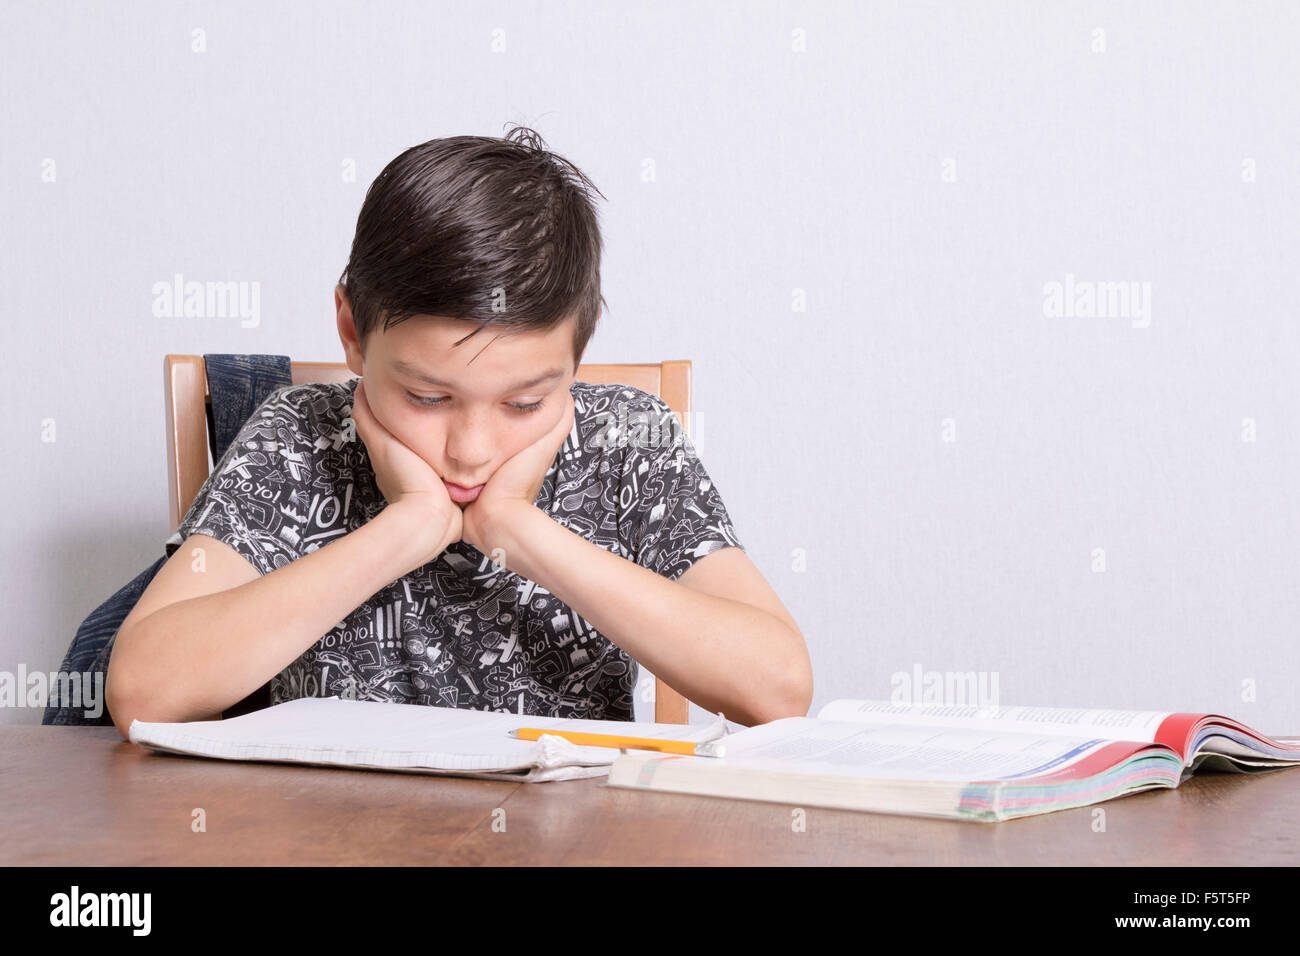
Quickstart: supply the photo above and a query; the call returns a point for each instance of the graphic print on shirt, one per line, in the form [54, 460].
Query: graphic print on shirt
[461, 631]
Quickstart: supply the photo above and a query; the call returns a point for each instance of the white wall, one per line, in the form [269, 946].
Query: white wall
[854, 212]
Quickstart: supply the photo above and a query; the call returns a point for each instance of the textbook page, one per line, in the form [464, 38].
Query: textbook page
[903, 752]
[378, 734]
[1140, 725]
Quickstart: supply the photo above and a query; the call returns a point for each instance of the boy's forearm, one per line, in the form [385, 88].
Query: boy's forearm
[725, 656]
[196, 658]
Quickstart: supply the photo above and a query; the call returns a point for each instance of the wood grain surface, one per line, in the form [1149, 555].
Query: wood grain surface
[83, 796]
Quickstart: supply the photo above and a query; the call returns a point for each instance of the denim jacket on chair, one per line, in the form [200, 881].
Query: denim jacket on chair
[238, 384]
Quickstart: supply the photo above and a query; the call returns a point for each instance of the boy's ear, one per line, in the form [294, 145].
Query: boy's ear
[341, 300]
[347, 331]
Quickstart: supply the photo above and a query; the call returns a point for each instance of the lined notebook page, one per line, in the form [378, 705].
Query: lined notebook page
[359, 733]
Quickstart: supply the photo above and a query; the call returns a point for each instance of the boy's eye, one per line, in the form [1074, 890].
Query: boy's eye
[423, 402]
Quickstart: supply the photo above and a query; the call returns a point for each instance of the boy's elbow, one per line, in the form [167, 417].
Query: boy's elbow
[798, 700]
[795, 699]
[120, 697]
[120, 708]
[799, 683]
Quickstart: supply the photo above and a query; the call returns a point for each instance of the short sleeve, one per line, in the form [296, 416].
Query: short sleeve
[674, 514]
[255, 500]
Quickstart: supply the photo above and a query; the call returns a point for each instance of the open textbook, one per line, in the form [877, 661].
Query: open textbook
[415, 738]
[969, 763]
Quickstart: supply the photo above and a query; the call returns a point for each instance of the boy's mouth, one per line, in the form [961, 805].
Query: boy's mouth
[461, 494]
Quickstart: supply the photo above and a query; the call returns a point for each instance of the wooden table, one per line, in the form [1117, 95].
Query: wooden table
[82, 796]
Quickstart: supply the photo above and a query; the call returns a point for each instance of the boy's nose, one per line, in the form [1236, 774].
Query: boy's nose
[469, 451]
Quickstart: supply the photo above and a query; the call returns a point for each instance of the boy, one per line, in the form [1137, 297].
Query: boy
[467, 525]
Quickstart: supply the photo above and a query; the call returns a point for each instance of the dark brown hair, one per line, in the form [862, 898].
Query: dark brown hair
[499, 231]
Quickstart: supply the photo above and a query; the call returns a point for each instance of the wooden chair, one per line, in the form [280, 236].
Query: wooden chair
[185, 385]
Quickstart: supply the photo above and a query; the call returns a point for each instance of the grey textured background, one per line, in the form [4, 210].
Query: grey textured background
[799, 154]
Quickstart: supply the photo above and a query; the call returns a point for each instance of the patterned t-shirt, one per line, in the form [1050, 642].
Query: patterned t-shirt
[460, 631]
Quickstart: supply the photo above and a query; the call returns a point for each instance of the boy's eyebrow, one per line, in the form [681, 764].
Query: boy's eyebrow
[406, 368]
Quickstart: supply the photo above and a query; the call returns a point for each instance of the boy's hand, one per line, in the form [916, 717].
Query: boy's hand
[516, 483]
[403, 476]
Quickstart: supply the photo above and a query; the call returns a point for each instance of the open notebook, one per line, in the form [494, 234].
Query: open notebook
[967, 763]
[337, 732]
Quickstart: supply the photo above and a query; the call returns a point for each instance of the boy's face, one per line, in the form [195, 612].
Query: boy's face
[479, 416]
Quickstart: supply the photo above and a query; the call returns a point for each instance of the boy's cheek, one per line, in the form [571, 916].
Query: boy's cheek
[420, 442]
[394, 423]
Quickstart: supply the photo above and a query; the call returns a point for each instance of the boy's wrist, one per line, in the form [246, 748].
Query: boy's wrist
[407, 527]
[503, 530]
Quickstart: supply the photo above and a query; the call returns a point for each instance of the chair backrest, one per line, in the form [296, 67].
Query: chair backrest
[186, 397]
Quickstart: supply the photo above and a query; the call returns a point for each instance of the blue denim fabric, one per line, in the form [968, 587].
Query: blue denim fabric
[238, 384]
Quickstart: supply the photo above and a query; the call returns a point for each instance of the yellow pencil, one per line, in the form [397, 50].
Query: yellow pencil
[706, 749]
